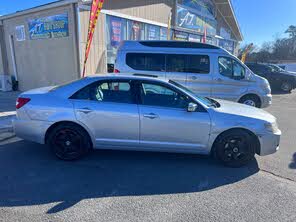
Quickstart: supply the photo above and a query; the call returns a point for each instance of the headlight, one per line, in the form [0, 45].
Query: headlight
[271, 127]
[266, 87]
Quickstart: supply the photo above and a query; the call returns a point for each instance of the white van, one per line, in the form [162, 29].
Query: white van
[205, 69]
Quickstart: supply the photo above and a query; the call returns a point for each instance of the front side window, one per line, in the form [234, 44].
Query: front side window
[146, 61]
[158, 95]
[109, 91]
[231, 68]
[188, 63]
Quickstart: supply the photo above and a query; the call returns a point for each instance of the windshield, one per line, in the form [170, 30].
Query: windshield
[276, 68]
[206, 101]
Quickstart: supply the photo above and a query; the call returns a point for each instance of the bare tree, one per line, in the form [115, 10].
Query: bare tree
[291, 31]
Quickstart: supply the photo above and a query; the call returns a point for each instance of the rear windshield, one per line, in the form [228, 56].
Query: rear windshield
[64, 84]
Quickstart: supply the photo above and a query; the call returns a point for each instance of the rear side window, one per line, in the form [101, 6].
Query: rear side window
[109, 91]
[188, 63]
[146, 61]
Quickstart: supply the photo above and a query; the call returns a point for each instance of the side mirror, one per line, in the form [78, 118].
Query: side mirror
[191, 107]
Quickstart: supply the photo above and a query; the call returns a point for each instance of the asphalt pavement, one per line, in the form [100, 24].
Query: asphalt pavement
[142, 186]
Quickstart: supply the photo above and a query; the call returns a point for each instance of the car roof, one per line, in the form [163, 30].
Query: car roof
[124, 76]
[169, 46]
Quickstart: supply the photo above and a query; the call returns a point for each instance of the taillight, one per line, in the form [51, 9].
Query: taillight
[20, 102]
[116, 71]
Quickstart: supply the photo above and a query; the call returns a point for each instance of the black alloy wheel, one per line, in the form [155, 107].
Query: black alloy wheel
[286, 87]
[235, 148]
[69, 142]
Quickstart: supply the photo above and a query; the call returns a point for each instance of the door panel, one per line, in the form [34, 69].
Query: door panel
[165, 123]
[191, 70]
[175, 129]
[201, 84]
[114, 124]
[108, 108]
[226, 87]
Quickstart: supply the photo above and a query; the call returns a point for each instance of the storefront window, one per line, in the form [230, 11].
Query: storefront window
[116, 32]
[227, 44]
[136, 30]
[163, 33]
[152, 32]
[225, 33]
[194, 38]
[182, 36]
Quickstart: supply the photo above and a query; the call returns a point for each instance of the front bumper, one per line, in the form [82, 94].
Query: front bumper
[266, 100]
[31, 130]
[269, 143]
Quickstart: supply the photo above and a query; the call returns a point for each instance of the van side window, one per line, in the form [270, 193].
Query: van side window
[146, 61]
[188, 63]
[231, 68]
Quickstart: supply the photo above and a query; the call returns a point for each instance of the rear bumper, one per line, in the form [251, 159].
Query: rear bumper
[269, 143]
[266, 101]
[31, 130]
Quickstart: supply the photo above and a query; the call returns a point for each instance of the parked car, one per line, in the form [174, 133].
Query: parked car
[277, 68]
[290, 67]
[146, 114]
[205, 69]
[278, 79]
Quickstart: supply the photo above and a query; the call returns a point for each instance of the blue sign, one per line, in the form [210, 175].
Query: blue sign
[56, 26]
[190, 20]
[204, 8]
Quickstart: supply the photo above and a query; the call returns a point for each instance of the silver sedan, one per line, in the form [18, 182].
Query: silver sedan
[145, 114]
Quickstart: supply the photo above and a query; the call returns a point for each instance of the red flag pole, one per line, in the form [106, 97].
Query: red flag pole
[204, 38]
[96, 7]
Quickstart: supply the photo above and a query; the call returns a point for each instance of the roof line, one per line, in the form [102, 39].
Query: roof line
[38, 8]
[234, 16]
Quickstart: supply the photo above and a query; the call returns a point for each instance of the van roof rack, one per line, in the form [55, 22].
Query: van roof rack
[145, 75]
[178, 44]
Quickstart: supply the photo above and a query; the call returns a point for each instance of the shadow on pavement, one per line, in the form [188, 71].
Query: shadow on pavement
[293, 164]
[31, 175]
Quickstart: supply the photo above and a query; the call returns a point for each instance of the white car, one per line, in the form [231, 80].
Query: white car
[140, 113]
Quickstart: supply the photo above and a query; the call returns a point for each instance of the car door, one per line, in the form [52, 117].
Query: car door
[108, 109]
[165, 123]
[190, 70]
[229, 80]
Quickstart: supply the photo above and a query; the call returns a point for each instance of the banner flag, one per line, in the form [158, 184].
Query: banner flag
[96, 8]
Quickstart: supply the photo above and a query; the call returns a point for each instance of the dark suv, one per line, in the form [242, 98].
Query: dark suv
[277, 78]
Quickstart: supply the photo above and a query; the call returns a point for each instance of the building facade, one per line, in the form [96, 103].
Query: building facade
[45, 45]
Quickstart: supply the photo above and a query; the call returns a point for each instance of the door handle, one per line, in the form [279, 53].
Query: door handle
[150, 116]
[193, 77]
[85, 110]
[218, 80]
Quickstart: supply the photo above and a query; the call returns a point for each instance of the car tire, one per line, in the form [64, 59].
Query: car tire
[69, 141]
[234, 148]
[286, 87]
[251, 100]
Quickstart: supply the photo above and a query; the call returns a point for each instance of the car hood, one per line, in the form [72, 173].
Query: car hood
[238, 109]
[287, 73]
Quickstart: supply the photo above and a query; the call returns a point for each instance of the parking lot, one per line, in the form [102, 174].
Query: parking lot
[139, 186]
